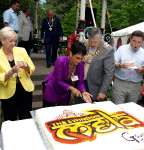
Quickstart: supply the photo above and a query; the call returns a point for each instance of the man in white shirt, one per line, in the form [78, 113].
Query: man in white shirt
[10, 16]
[129, 63]
[25, 31]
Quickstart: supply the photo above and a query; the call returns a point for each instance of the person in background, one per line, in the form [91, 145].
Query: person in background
[51, 32]
[129, 62]
[99, 67]
[67, 78]
[16, 86]
[10, 16]
[26, 30]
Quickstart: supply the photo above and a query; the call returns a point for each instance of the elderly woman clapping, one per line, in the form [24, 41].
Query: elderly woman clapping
[16, 86]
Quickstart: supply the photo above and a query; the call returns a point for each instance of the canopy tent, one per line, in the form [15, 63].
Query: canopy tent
[123, 34]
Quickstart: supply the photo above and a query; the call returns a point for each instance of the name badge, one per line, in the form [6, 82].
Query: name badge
[74, 78]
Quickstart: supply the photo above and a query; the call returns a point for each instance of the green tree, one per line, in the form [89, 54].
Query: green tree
[66, 10]
[69, 21]
[125, 12]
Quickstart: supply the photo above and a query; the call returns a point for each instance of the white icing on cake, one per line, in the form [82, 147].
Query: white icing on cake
[102, 125]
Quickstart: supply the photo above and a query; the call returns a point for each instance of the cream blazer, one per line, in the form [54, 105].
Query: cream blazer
[25, 27]
[8, 87]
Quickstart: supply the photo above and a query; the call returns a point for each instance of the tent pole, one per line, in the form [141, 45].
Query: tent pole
[82, 10]
[77, 13]
[91, 8]
[109, 22]
[103, 18]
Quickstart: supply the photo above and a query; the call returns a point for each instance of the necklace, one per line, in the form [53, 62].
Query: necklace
[50, 24]
[95, 52]
[99, 52]
[72, 69]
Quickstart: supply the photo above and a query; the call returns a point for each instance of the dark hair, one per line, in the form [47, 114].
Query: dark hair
[78, 48]
[137, 33]
[14, 2]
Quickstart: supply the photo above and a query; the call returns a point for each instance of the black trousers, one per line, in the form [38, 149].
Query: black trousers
[18, 106]
[51, 52]
[26, 45]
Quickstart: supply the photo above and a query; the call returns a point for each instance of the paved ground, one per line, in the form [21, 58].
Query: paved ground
[38, 76]
[40, 63]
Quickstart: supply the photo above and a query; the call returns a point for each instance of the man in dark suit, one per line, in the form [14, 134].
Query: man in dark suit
[51, 32]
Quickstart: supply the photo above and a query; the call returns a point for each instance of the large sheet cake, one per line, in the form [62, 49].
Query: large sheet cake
[102, 125]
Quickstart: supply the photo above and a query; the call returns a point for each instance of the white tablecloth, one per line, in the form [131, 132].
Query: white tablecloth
[23, 134]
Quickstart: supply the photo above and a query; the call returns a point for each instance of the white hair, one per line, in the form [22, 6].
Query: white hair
[94, 32]
[7, 32]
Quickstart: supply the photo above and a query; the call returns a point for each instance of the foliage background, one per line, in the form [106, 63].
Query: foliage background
[122, 13]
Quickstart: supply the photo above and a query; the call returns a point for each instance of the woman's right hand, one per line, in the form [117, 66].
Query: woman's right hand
[75, 91]
[10, 73]
[15, 69]
[87, 97]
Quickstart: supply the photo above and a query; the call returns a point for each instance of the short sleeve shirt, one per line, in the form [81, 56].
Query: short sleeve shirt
[10, 17]
[126, 54]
